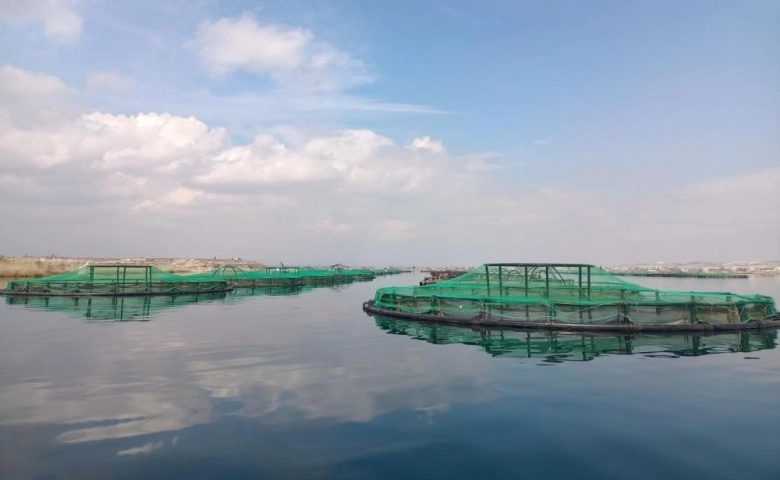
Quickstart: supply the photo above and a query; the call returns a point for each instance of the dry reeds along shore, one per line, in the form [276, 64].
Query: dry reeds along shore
[33, 267]
[38, 267]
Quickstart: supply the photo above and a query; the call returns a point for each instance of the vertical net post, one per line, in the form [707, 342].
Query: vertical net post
[692, 309]
[547, 280]
[589, 282]
[525, 276]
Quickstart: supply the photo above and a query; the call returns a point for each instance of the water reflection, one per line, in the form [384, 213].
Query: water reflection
[136, 308]
[558, 347]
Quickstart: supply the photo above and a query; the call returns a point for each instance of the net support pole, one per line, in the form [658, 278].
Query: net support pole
[547, 280]
[525, 275]
[487, 279]
[588, 282]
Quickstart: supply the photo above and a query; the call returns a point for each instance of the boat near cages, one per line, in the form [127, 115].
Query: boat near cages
[112, 280]
[570, 297]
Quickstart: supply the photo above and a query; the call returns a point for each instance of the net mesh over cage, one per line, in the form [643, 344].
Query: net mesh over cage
[566, 294]
[115, 280]
[283, 276]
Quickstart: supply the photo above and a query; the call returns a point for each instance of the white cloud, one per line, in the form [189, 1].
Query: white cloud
[111, 81]
[59, 18]
[124, 185]
[162, 142]
[180, 197]
[242, 43]
[290, 56]
[354, 186]
[348, 159]
[29, 98]
[393, 229]
[143, 449]
[425, 143]
[17, 84]
[329, 227]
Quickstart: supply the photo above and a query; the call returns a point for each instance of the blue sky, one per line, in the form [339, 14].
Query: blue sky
[441, 131]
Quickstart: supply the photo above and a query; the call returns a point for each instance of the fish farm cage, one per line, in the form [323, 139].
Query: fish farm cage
[238, 278]
[561, 296]
[115, 280]
[325, 276]
[283, 276]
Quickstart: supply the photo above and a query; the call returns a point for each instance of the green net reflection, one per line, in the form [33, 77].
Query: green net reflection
[115, 280]
[137, 307]
[567, 347]
[571, 294]
[112, 308]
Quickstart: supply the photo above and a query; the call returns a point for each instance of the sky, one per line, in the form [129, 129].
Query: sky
[428, 132]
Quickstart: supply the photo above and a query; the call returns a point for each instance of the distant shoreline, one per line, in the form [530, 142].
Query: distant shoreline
[684, 274]
[39, 267]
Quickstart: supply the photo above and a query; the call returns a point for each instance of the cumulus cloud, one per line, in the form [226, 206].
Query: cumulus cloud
[110, 81]
[425, 143]
[121, 184]
[59, 18]
[352, 159]
[393, 229]
[180, 197]
[17, 84]
[31, 98]
[299, 187]
[161, 142]
[292, 57]
[329, 226]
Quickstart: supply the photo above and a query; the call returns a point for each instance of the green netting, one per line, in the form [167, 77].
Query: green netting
[386, 271]
[568, 294]
[237, 277]
[115, 280]
[557, 348]
[283, 276]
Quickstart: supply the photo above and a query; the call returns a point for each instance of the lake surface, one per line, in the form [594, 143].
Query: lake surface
[308, 386]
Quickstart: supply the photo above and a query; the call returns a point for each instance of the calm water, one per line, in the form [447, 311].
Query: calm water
[307, 386]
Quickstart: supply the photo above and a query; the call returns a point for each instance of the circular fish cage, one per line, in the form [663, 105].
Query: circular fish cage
[570, 297]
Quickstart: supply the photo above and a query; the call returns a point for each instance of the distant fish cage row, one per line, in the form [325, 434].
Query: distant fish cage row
[139, 280]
